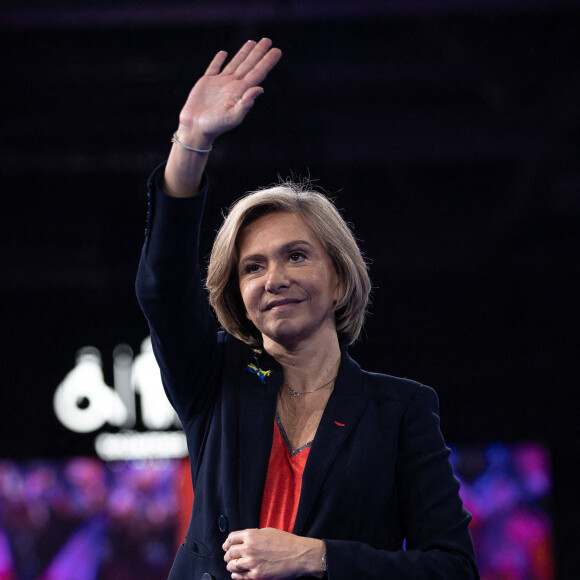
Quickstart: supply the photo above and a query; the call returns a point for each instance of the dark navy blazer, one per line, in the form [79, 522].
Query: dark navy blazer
[378, 472]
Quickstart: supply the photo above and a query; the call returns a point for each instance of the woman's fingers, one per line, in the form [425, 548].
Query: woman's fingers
[253, 57]
[237, 565]
[247, 100]
[233, 553]
[253, 61]
[259, 71]
[216, 64]
[234, 538]
[240, 57]
[248, 68]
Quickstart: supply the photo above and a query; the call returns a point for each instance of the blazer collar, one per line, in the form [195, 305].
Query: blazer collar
[257, 412]
[343, 411]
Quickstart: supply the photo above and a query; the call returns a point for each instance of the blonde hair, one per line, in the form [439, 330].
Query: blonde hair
[320, 214]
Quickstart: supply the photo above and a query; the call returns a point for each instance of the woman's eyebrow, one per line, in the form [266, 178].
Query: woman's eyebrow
[287, 247]
[282, 249]
[251, 258]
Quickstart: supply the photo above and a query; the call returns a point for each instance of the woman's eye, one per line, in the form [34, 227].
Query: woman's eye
[251, 268]
[296, 256]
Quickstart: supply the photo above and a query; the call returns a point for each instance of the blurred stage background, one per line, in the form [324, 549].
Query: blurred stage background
[449, 133]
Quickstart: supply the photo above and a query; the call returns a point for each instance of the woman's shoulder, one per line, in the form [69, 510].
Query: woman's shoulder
[401, 389]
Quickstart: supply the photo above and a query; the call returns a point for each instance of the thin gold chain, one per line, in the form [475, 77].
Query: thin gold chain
[296, 393]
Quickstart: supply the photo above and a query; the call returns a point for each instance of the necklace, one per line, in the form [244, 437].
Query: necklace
[296, 393]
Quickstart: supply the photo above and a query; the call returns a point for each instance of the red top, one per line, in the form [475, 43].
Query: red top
[283, 481]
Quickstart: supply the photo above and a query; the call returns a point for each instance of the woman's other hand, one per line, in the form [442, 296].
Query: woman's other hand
[269, 553]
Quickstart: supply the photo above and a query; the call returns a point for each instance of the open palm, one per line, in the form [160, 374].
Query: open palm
[220, 99]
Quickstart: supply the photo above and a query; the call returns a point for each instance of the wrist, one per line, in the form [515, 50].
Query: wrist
[175, 139]
[316, 560]
[193, 137]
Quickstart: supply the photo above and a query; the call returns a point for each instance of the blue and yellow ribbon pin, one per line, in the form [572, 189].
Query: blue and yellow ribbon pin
[257, 371]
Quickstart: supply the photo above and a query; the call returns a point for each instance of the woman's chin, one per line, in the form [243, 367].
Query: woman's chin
[289, 336]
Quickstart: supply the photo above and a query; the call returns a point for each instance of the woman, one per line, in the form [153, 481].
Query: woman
[303, 465]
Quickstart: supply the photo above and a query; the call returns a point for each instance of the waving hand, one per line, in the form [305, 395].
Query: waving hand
[218, 102]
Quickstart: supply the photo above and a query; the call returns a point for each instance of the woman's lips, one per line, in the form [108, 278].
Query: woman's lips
[282, 304]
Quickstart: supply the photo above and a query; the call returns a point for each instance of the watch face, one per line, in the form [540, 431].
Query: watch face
[324, 562]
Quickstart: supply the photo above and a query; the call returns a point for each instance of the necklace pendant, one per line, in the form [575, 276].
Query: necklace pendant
[295, 393]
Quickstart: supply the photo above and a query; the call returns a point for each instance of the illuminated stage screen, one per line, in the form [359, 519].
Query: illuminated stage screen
[86, 519]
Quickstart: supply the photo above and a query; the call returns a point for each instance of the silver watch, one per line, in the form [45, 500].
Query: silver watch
[324, 565]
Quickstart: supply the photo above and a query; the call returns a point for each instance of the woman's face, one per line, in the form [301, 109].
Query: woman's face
[287, 281]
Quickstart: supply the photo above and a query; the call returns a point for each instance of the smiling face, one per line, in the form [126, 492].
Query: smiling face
[287, 281]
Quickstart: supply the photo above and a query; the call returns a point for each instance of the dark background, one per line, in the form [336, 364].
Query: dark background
[450, 136]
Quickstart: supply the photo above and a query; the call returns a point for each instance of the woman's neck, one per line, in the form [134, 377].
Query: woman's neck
[306, 366]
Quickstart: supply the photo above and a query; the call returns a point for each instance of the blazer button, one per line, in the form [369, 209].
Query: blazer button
[223, 523]
[207, 576]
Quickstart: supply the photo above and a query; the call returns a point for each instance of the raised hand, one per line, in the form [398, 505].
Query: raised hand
[218, 102]
[220, 99]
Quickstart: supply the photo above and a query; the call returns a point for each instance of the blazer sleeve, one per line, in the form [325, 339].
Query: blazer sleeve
[172, 296]
[433, 520]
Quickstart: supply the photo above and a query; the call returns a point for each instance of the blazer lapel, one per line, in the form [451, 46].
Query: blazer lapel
[342, 413]
[257, 412]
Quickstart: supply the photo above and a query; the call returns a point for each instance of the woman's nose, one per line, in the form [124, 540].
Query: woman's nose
[276, 278]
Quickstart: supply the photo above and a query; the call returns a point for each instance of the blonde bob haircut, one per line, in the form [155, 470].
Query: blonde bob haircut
[320, 214]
